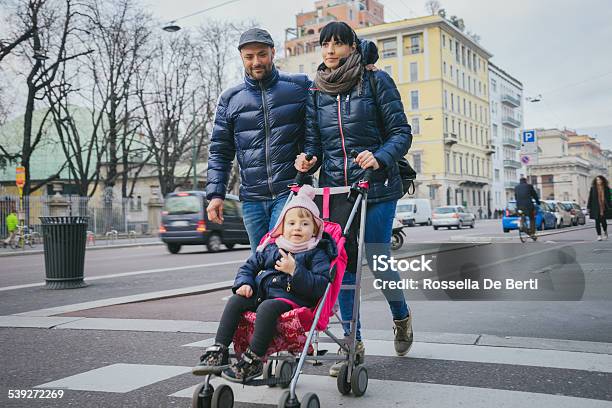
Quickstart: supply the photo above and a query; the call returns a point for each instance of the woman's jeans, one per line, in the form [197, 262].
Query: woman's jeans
[600, 222]
[378, 230]
[260, 217]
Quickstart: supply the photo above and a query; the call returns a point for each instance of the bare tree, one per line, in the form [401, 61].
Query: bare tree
[52, 43]
[183, 82]
[432, 7]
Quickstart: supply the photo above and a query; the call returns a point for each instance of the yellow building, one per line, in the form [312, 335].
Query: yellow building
[442, 76]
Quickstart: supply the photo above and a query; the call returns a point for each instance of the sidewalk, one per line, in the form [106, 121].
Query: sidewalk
[100, 244]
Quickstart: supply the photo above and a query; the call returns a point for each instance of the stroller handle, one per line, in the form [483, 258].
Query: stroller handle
[299, 179]
[368, 173]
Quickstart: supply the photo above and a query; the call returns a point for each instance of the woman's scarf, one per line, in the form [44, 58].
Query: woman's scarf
[342, 79]
[285, 244]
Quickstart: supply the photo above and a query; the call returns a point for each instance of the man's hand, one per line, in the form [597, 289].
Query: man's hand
[286, 263]
[371, 67]
[303, 165]
[245, 291]
[367, 160]
[215, 211]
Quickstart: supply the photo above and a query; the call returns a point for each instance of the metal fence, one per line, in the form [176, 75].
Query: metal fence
[120, 215]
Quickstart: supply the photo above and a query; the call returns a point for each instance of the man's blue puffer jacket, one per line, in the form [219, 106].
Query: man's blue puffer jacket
[306, 286]
[262, 123]
[337, 124]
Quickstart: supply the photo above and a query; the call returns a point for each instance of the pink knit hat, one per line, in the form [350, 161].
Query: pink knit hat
[303, 199]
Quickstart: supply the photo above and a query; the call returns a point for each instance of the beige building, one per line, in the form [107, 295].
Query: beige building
[559, 174]
[608, 156]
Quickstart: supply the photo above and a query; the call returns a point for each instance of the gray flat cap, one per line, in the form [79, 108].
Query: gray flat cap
[255, 35]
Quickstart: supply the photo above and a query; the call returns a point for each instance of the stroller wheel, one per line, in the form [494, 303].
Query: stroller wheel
[223, 397]
[284, 373]
[202, 396]
[310, 400]
[283, 402]
[359, 380]
[342, 381]
[268, 372]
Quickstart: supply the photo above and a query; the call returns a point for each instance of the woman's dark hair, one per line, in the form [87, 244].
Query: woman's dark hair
[339, 31]
[605, 181]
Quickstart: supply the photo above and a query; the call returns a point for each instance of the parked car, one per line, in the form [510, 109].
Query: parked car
[452, 216]
[184, 222]
[544, 219]
[578, 217]
[564, 217]
[414, 211]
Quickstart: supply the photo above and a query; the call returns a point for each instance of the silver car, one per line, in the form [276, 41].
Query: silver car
[452, 216]
[578, 217]
[564, 217]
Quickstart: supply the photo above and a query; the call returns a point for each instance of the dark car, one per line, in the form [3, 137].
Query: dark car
[184, 222]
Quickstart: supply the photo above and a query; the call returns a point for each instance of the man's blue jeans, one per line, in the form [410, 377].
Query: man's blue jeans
[378, 230]
[260, 217]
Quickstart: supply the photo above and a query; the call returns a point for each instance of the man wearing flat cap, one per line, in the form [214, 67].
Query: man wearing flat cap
[261, 122]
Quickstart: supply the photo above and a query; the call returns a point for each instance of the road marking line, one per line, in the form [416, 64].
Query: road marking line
[119, 378]
[123, 274]
[386, 393]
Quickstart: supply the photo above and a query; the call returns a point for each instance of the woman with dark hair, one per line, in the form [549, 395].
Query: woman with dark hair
[352, 108]
[599, 204]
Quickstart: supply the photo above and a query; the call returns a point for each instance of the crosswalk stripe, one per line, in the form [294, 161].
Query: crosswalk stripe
[482, 354]
[385, 393]
[118, 378]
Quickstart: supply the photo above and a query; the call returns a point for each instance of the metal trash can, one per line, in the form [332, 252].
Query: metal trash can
[64, 243]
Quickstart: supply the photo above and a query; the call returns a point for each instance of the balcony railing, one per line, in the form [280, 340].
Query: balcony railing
[320, 20]
[510, 100]
[510, 121]
[450, 138]
[510, 184]
[512, 164]
[511, 142]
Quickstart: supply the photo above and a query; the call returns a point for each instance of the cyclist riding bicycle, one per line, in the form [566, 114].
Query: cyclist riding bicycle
[525, 196]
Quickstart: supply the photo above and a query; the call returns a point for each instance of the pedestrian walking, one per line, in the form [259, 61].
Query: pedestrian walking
[11, 226]
[600, 206]
[355, 109]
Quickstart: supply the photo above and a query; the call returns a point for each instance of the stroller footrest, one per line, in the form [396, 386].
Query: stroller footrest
[268, 381]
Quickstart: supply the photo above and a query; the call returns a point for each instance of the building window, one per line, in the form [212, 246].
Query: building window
[452, 125]
[350, 14]
[414, 72]
[474, 61]
[464, 108]
[463, 81]
[444, 68]
[389, 48]
[470, 106]
[414, 100]
[459, 128]
[452, 102]
[443, 41]
[496, 174]
[455, 163]
[445, 99]
[415, 44]
[463, 55]
[450, 44]
[469, 59]
[389, 69]
[313, 67]
[301, 68]
[416, 129]
[494, 130]
[416, 162]
[448, 162]
[446, 123]
[457, 57]
[494, 85]
[457, 73]
[461, 164]
[451, 72]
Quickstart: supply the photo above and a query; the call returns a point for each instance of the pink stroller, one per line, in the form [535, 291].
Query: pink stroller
[297, 328]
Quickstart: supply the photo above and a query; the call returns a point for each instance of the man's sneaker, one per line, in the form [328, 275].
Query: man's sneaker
[403, 335]
[214, 360]
[359, 357]
[244, 370]
[599, 238]
[605, 236]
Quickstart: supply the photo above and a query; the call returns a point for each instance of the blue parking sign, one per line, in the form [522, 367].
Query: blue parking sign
[529, 136]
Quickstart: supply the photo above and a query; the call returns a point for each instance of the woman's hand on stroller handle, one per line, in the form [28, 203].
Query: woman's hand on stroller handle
[286, 263]
[245, 291]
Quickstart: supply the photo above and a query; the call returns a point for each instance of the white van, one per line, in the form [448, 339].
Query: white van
[414, 211]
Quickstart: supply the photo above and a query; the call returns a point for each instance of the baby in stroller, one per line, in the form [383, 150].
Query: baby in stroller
[291, 272]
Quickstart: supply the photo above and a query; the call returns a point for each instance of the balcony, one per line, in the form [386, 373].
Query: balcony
[510, 100]
[320, 20]
[489, 149]
[513, 164]
[450, 138]
[510, 184]
[510, 121]
[511, 142]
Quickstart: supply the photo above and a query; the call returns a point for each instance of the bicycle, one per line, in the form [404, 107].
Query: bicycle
[21, 238]
[524, 224]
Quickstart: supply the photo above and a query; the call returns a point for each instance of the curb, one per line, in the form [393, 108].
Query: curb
[89, 248]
